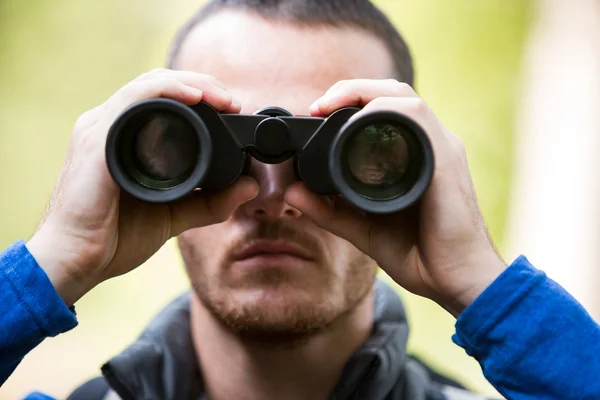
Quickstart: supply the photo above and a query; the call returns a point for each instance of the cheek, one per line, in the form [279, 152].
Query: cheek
[202, 247]
[343, 256]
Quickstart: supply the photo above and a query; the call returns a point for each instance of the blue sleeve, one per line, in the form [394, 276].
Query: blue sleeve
[30, 308]
[38, 396]
[531, 338]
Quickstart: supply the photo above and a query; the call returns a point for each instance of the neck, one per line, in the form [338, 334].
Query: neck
[234, 368]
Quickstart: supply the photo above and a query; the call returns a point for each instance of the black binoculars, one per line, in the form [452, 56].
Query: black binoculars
[160, 150]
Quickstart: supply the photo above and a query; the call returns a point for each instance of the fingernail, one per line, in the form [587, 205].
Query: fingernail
[314, 107]
[249, 198]
[196, 92]
[236, 103]
[325, 101]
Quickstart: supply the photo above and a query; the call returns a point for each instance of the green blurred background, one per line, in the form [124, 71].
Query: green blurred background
[61, 58]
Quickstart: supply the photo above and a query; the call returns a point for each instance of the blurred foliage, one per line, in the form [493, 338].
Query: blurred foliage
[61, 58]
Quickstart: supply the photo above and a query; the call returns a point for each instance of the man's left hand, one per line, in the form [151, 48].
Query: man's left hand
[439, 248]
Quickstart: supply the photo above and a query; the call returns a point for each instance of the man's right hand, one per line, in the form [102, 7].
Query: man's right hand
[92, 231]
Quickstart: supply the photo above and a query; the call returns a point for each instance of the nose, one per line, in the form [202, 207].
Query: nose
[273, 180]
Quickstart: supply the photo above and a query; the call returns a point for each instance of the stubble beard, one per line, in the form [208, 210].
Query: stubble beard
[299, 315]
[300, 309]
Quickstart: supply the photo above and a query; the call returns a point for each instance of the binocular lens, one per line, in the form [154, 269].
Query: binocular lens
[165, 151]
[378, 159]
[159, 150]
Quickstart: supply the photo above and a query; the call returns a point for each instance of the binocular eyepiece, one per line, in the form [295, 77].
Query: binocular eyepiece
[160, 150]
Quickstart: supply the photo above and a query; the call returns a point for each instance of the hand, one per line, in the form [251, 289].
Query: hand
[91, 230]
[440, 248]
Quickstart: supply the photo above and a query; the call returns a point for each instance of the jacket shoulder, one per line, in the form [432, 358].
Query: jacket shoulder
[440, 387]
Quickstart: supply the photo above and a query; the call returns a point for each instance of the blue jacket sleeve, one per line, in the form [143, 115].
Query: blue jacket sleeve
[531, 338]
[30, 308]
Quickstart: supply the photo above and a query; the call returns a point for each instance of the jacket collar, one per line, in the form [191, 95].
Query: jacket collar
[162, 363]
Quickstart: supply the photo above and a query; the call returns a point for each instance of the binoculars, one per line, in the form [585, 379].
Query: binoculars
[160, 150]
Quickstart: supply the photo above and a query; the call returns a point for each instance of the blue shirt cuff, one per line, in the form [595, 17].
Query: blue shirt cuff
[495, 303]
[38, 396]
[33, 289]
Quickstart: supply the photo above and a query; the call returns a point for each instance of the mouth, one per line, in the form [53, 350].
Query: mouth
[272, 250]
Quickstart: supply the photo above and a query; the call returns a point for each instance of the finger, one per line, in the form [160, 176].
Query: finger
[160, 87]
[215, 92]
[137, 90]
[448, 149]
[131, 93]
[89, 118]
[169, 87]
[358, 93]
[183, 76]
[338, 217]
[215, 96]
[202, 209]
[414, 108]
[337, 86]
[141, 90]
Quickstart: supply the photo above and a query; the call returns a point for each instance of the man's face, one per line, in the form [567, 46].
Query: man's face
[269, 271]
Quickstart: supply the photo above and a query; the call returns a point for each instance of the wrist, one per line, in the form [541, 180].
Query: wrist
[475, 277]
[49, 252]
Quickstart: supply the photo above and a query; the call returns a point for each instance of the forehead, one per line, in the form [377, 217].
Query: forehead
[277, 63]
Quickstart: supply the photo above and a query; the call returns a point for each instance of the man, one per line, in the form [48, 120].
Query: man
[283, 302]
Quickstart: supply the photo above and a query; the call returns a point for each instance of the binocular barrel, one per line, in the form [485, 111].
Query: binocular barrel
[160, 150]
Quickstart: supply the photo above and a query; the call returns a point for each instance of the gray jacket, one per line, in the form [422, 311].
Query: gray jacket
[162, 363]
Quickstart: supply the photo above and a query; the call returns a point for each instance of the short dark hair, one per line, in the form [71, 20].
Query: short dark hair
[355, 13]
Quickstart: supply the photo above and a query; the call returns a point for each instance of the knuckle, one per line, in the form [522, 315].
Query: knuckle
[161, 86]
[401, 88]
[346, 91]
[380, 102]
[143, 77]
[79, 137]
[341, 85]
[82, 120]
[129, 89]
[153, 73]
[158, 72]
[459, 145]
[142, 89]
[210, 79]
[86, 120]
[455, 140]
[126, 95]
[418, 107]
[161, 83]
[168, 81]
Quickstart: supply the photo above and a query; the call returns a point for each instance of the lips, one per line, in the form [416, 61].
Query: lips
[269, 247]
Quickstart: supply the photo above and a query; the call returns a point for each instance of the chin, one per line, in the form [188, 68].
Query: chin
[273, 311]
[277, 284]
[284, 295]
[278, 314]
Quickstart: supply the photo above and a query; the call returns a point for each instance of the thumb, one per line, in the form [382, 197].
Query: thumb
[204, 208]
[335, 216]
